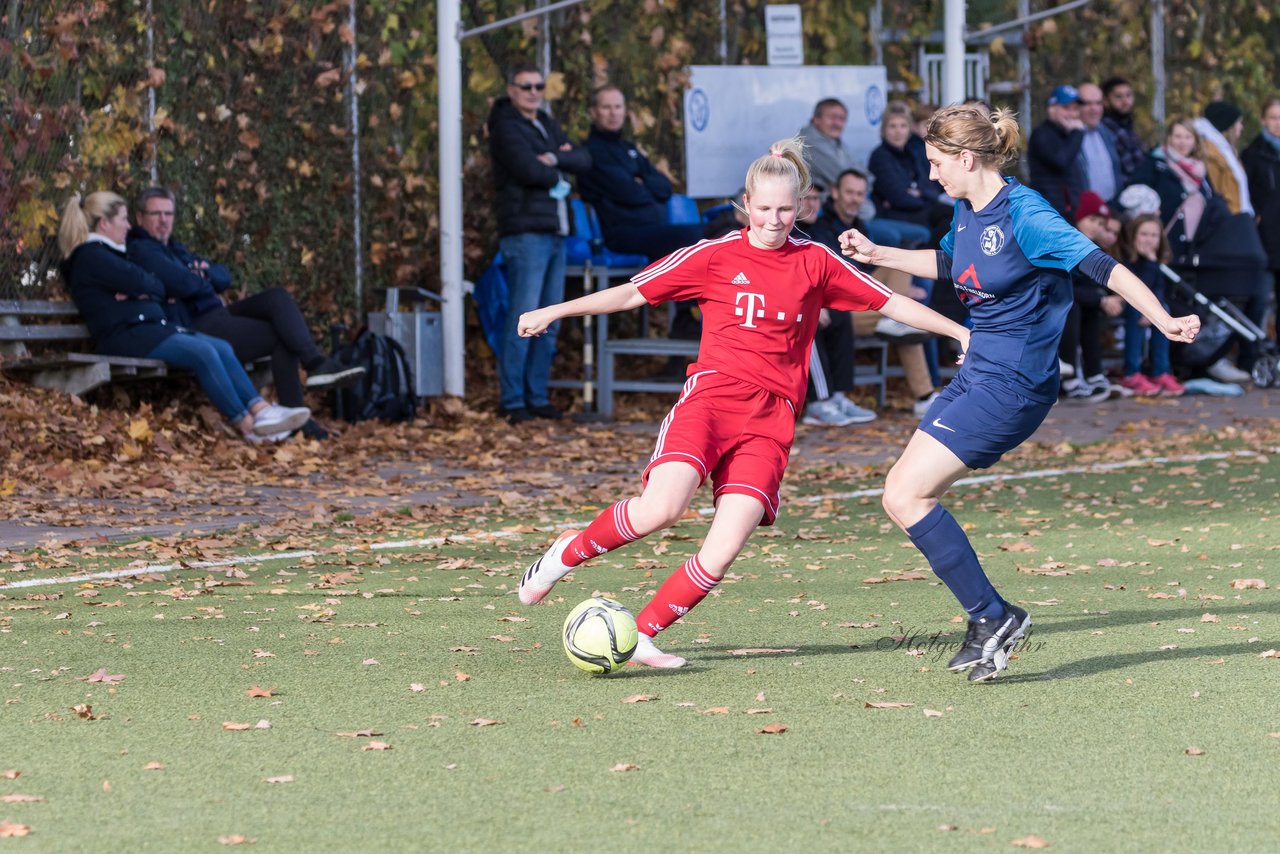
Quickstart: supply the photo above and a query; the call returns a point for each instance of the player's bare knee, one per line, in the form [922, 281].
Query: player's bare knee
[902, 505]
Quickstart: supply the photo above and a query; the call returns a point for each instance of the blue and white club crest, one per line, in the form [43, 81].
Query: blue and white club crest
[992, 240]
[874, 105]
[699, 110]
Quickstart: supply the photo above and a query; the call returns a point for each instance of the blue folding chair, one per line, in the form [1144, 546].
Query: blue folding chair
[588, 242]
[682, 210]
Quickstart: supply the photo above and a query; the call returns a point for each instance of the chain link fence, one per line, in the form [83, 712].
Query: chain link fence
[245, 110]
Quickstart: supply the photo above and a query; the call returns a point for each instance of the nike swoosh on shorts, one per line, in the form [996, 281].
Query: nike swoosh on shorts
[941, 426]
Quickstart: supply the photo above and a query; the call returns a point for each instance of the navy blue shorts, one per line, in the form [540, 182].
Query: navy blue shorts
[981, 423]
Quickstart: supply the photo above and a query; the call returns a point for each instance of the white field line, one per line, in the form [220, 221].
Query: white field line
[429, 542]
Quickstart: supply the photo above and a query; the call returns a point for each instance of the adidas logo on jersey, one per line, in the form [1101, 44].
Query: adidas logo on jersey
[740, 279]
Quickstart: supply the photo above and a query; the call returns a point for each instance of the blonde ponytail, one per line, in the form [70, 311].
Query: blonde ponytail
[74, 228]
[80, 217]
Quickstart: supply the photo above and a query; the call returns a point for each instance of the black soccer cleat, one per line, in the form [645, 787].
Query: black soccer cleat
[990, 640]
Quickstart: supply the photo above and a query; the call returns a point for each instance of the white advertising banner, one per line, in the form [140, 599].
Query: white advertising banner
[733, 112]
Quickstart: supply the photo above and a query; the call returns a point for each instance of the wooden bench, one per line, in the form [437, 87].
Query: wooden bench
[873, 374]
[63, 359]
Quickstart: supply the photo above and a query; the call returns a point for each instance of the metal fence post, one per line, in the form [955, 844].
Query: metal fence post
[357, 223]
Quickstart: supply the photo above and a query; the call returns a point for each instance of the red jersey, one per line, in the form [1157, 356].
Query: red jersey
[760, 306]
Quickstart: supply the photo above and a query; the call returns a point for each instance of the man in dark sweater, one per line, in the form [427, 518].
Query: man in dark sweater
[630, 196]
[530, 155]
[1117, 116]
[267, 323]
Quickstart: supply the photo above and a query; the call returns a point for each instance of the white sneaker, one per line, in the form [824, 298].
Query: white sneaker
[1066, 369]
[900, 333]
[647, 653]
[280, 419]
[1225, 372]
[1113, 390]
[255, 439]
[853, 410]
[1078, 391]
[920, 407]
[826, 413]
[544, 572]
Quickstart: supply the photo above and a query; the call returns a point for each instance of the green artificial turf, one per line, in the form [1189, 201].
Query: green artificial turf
[1141, 650]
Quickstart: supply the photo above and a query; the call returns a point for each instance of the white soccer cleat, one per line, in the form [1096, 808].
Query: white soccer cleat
[544, 572]
[647, 653]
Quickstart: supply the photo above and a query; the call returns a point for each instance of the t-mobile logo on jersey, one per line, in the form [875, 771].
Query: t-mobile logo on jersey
[750, 312]
[754, 310]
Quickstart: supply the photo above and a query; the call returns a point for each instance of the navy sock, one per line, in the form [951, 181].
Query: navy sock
[943, 543]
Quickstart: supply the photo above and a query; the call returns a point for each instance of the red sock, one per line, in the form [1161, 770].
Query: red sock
[610, 530]
[686, 587]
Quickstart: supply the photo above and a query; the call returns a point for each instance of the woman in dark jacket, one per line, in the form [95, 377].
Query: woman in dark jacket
[1261, 161]
[902, 189]
[1219, 251]
[123, 306]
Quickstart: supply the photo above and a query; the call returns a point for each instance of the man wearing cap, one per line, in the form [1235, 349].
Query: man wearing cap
[1098, 149]
[1081, 343]
[1220, 127]
[1057, 172]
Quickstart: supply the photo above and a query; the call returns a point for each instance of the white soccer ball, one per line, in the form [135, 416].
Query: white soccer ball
[599, 635]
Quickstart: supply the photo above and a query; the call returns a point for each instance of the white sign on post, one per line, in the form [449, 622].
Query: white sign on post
[733, 112]
[784, 35]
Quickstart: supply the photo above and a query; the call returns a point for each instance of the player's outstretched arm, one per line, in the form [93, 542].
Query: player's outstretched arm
[908, 311]
[1138, 295]
[618, 298]
[918, 262]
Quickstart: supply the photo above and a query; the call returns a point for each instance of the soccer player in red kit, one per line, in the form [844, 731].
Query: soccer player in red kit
[760, 291]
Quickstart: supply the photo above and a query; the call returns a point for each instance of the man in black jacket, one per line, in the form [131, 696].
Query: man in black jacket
[530, 155]
[630, 197]
[267, 323]
[1053, 154]
[628, 193]
[838, 216]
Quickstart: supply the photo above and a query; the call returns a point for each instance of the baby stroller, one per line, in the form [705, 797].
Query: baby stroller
[1219, 319]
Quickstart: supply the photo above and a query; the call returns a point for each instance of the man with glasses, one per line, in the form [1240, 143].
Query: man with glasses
[530, 155]
[267, 323]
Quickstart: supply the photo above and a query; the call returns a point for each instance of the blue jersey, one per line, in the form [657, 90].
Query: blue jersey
[1011, 266]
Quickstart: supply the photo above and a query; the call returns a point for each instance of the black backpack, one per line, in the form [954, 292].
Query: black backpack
[385, 390]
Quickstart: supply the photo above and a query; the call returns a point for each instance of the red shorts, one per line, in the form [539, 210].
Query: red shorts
[733, 431]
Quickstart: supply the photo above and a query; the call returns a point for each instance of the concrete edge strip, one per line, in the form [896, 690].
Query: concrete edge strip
[428, 542]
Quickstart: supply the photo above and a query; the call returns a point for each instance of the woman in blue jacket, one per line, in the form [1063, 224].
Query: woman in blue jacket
[123, 306]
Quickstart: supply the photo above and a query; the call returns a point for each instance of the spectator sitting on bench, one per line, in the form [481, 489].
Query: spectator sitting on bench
[630, 197]
[828, 158]
[123, 306]
[267, 323]
[831, 357]
[1081, 344]
[1144, 249]
[840, 214]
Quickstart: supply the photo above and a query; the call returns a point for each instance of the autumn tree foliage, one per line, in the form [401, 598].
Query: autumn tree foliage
[253, 113]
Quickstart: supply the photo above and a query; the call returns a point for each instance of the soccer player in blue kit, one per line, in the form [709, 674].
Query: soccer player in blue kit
[1011, 256]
